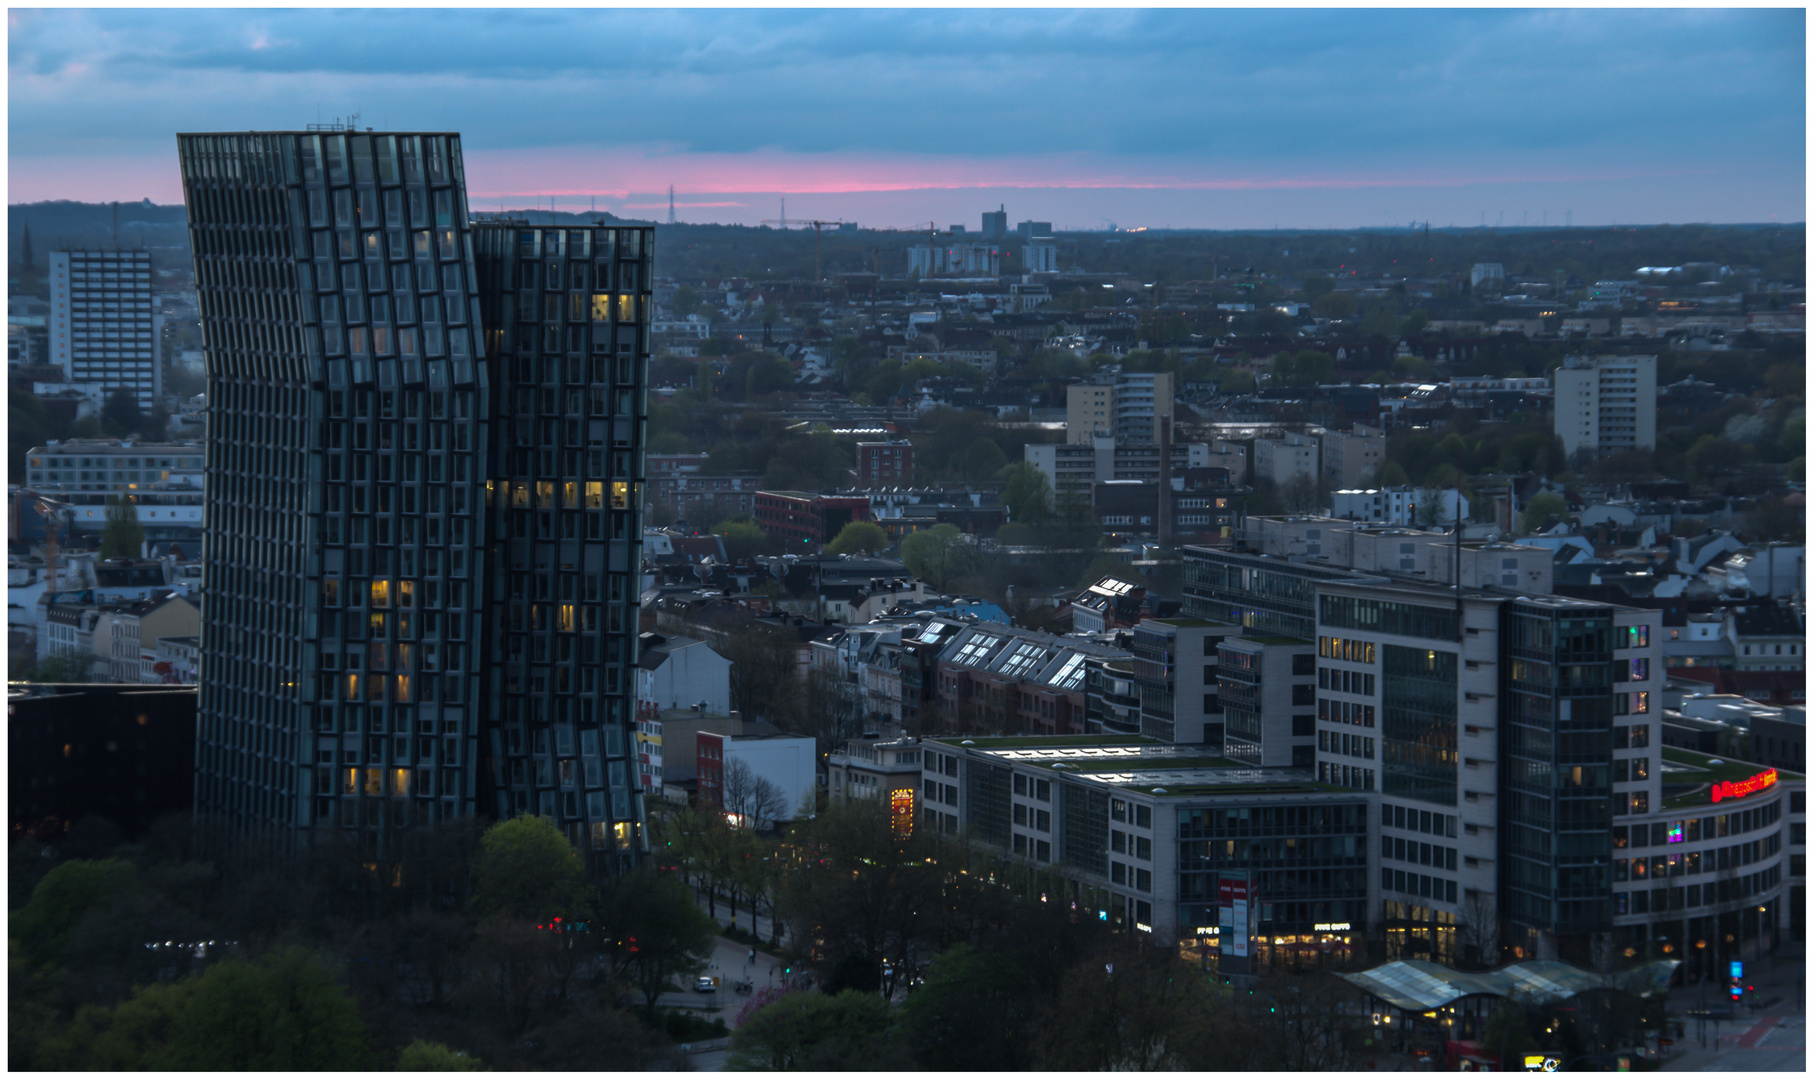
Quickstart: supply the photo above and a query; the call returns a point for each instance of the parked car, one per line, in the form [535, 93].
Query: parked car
[704, 985]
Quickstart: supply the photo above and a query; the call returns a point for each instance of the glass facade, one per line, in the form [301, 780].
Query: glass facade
[1263, 594]
[1556, 767]
[1307, 863]
[1417, 717]
[396, 552]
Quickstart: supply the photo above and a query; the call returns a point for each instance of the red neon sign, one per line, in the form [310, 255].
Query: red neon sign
[1737, 789]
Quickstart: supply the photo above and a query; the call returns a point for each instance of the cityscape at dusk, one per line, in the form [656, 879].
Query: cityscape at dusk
[1206, 119]
[960, 540]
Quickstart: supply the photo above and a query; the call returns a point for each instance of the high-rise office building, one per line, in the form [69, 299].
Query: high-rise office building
[1607, 403]
[423, 469]
[103, 332]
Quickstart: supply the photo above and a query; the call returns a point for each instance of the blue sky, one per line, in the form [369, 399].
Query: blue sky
[1205, 118]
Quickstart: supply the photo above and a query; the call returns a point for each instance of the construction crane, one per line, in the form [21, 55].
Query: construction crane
[817, 225]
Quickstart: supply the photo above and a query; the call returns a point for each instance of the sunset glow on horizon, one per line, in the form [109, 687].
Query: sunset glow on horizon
[1298, 118]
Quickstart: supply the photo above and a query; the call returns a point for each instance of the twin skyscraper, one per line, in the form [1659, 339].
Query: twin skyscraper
[424, 473]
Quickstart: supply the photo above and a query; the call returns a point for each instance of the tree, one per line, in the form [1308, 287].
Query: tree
[858, 537]
[831, 708]
[1135, 1010]
[424, 1056]
[752, 797]
[1306, 368]
[1302, 493]
[1028, 494]
[1541, 508]
[653, 931]
[983, 459]
[62, 897]
[283, 1013]
[120, 415]
[123, 537]
[1480, 929]
[1334, 305]
[743, 539]
[816, 1032]
[526, 870]
[939, 554]
[762, 666]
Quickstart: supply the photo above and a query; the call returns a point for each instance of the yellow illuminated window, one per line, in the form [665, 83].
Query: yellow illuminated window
[350, 777]
[400, 781]
[595, 494]
[374, 781]
[566, 616]
[620, 495]
[403, 688]
[381, 593]
[601, 307]
[544, 494]
[626, 307]
[519, 495]
[352, 686]
[406, 594]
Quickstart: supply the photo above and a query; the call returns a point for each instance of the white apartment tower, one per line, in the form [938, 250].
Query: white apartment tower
[1607, 403]
[102, 330]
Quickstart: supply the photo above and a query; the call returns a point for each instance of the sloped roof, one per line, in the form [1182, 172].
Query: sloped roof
[1421, 985]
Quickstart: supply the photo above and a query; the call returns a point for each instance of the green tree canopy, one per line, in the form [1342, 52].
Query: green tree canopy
[983, 459]
[1028, 494]
[122, 537]
[1334, 305]
[939, 554]
[858, 537]
[120, 415]
[652, 930]
[425, 1056]
[817, 1032]
[742, 538]
[283, 1013]
[1539, 509]
[60, 899]
[526, 870]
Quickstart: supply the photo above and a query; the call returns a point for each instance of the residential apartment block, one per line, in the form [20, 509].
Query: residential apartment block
[103, 331]
[1125, 406]
[1606, 404]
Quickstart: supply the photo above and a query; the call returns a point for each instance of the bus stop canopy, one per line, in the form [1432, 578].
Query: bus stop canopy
[1421, 985]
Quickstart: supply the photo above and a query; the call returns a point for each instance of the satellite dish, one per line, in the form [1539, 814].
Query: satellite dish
[1159, 791]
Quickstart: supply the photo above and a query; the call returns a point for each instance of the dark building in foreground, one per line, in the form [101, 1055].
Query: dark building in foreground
[424, 487]
[118, 751]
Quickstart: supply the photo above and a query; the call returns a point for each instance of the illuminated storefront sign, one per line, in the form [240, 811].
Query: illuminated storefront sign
[1331, 927]
[1738, 789]
[901, 802]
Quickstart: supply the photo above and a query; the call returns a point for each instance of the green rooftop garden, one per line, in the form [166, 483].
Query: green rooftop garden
[1175, 791]
[1025, 742]
[1706, 774]
[1129, 764]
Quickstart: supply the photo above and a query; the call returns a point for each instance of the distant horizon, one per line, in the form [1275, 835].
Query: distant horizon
[803, 224]
[1220, 119]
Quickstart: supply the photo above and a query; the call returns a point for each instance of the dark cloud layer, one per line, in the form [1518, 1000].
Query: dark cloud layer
[1299, 92]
